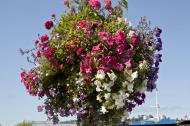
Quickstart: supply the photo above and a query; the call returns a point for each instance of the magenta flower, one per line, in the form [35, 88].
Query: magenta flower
[119, 66]
[44, 38]
[120, 36]
[96, 49]
[83, 24]
[95, 4]
[88, 59]
[88, 69]
[110, 42]
[121, 48]
[48, 25]
[49, 53]
[135, 41]
[110, 60]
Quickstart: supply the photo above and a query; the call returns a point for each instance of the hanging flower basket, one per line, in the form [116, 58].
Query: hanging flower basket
[93, 64]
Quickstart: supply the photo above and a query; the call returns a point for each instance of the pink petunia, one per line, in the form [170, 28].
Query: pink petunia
[95, 4]
[88, 69]
[83, 24]
[88, 31]
[120, 37]
[121, 48]
[129, 63]
[120, 66]
[102, 67]
[103, 35]
[39, 108]
[110, 42]
[96, 49]
[108, 4]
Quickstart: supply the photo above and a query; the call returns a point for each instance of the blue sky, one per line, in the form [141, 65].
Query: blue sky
[21, 21]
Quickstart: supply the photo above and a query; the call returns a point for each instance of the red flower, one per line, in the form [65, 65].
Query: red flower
[86, 79]
[74, 42]
[69, 48]
[43, 46]
[38, 54]
[23, 74]
[53, 63]
[79, 51]
[61, 66]
[48, 24]
[44, 38]
[88, 59]
[49, 53]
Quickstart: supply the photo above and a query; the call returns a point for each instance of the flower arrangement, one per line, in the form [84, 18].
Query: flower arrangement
[93, 64]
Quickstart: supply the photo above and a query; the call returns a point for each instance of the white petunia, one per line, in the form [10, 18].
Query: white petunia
[107, 96]
[111, 106]
[142, 64]
[112, 76]
[103, 109]
[125, 83]
[125, 116]
[143, 87]
[98, 89]
[75, 99]
[97, 83]
[130, 87]
[98, 98]
[100, 74]
[119, 103]
[134, 75]
[123, 20]
[119, 99]
[107, 87]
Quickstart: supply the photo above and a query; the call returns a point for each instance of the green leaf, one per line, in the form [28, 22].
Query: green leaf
[125, 4]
